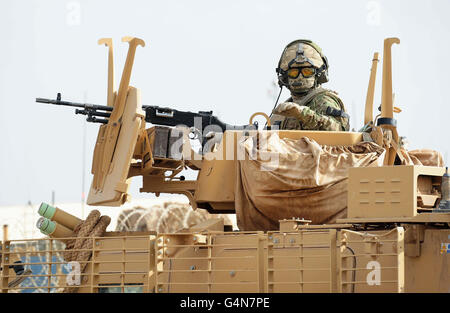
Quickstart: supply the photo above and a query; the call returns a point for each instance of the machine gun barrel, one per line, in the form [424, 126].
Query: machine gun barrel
[153, 114]
[58, 101]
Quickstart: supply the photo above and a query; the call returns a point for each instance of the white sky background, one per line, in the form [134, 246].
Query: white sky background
[199, 55]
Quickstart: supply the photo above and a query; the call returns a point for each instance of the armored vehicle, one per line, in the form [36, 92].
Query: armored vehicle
[318, 211]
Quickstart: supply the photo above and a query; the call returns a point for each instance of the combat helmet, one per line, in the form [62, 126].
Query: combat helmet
[302, 66]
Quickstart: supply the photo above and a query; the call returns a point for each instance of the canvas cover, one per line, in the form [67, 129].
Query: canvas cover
[426, 157]
[285, 178]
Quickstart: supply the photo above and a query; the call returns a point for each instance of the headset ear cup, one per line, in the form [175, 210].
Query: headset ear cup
[322, 77]
[281, 78]
[325, 61]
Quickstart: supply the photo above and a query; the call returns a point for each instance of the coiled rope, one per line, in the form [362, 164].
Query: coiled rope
[94, 226]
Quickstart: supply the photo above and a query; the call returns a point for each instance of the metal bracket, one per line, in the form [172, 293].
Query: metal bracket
[414, 236]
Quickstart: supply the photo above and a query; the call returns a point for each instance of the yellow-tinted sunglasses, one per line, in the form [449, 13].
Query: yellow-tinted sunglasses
[305, 71]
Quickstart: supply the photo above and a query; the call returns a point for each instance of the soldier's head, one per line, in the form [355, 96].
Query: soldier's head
[302, 66]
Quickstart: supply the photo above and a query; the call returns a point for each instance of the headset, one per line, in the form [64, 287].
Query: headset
[321, 73]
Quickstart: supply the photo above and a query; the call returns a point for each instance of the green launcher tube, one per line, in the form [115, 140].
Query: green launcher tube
[57, 215]
[53, 229]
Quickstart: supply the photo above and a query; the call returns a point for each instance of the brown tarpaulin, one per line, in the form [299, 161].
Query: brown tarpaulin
[424, 157]
[296, 178]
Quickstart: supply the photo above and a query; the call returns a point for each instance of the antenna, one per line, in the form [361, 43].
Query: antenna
[368, 117]
[83, 167]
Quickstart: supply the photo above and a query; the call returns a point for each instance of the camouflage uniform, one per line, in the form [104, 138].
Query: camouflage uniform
[310, 106]
[312, 115]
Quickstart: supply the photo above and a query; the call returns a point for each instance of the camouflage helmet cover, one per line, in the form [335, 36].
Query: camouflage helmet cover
[301, 53]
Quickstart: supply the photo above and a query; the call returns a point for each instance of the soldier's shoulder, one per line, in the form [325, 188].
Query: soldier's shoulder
[328, 98]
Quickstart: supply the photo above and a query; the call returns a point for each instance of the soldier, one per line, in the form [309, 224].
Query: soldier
[302, 69]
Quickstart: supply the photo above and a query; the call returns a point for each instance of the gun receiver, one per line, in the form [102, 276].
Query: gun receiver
[153, 114]
[203, 119]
